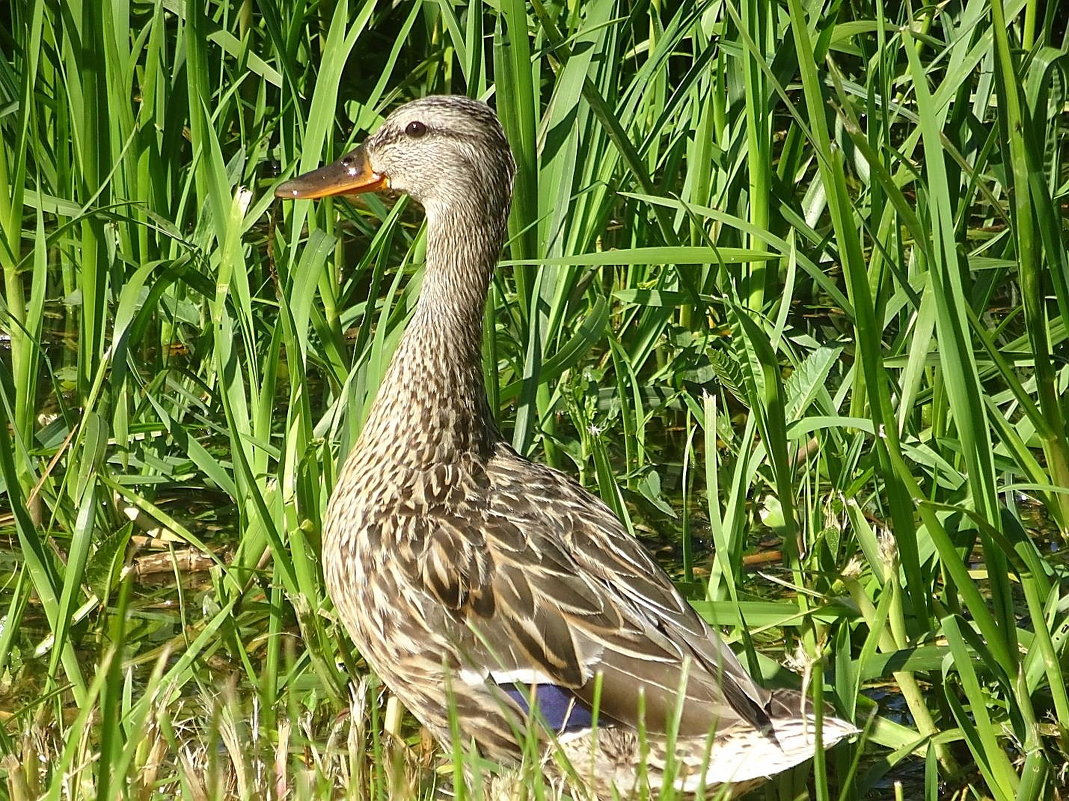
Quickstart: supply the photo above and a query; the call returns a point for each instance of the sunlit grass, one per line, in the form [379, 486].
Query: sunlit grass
[779, 274]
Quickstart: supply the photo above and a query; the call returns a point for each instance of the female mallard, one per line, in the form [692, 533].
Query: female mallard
[481, 585]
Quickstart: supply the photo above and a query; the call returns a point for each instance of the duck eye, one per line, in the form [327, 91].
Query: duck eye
[415, 129]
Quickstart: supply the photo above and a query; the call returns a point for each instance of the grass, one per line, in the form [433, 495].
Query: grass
[787, 274]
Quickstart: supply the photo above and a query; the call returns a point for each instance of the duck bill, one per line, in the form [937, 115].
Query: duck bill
[349, 175]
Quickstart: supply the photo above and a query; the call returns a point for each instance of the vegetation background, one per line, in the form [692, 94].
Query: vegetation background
[787, 283]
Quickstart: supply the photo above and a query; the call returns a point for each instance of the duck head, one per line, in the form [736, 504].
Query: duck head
[446, 151]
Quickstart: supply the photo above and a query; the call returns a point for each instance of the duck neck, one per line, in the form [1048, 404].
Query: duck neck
[431, 407]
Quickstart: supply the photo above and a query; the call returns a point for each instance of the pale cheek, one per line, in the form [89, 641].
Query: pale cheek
[426, 186]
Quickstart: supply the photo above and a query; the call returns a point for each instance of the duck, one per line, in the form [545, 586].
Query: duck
[499, 600]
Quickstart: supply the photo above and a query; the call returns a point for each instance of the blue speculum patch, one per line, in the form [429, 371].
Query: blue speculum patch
[557, 706]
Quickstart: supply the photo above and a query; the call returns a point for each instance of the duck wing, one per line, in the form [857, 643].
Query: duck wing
[549, 590]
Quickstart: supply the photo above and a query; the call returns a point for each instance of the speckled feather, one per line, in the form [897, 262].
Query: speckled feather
[459, 567]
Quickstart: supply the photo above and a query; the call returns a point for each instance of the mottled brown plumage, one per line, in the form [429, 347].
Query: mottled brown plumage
[466, 575]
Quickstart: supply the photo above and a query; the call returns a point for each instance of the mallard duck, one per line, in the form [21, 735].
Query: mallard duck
[480, 585]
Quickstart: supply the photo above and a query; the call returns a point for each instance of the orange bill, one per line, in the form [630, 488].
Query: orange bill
[349, 175]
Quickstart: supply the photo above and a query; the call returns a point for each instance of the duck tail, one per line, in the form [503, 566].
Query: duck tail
[743, 756]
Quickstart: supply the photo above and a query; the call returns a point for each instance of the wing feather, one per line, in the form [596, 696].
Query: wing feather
[551, 585]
